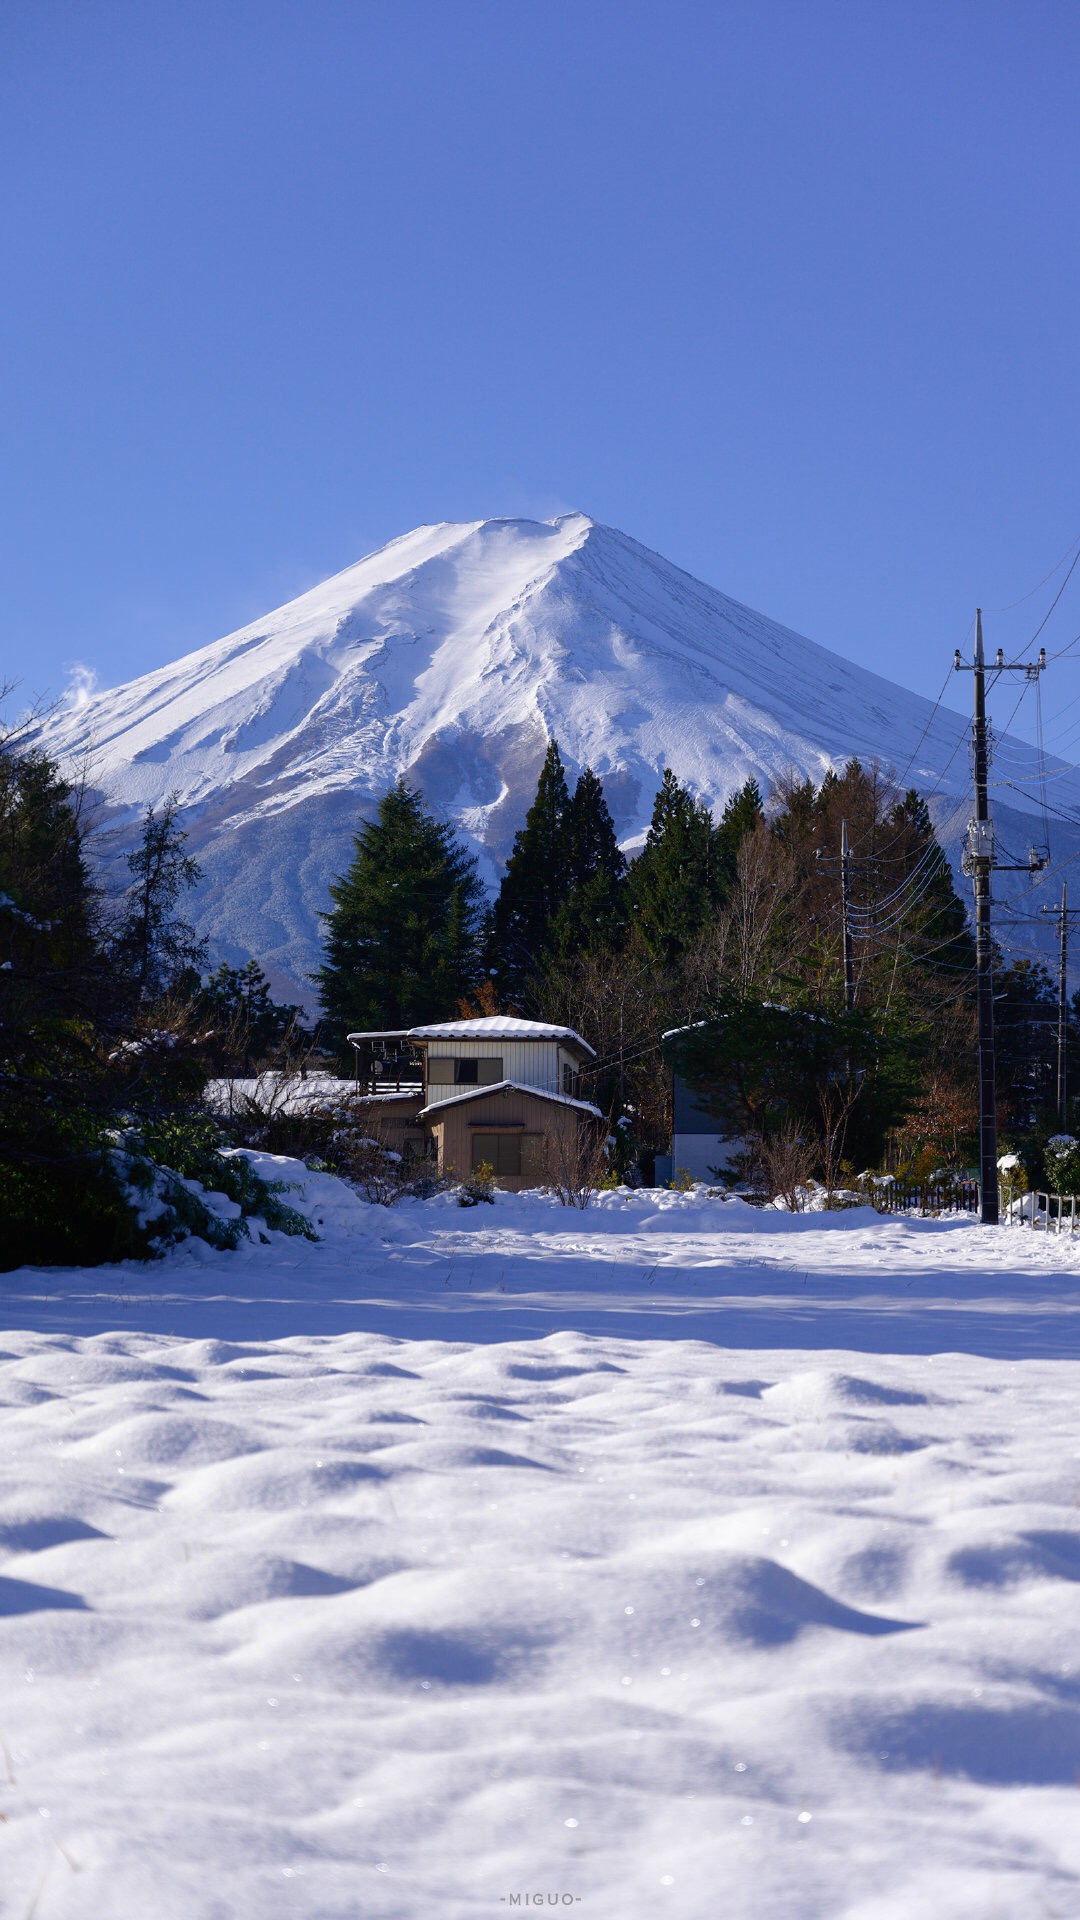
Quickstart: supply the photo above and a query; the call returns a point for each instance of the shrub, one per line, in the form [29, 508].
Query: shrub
[575, 1163]
[65, 1216]
[1062, 1155]
[479, 1187]
[1012, 1177]
[167, 1161]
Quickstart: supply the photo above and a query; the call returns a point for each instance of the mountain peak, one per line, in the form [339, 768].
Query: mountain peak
[451, 656]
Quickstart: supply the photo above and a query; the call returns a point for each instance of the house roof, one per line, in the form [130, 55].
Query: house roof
[436, 1107]
[499, 1027]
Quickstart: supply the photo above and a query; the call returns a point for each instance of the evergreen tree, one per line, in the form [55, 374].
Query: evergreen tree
[73, 1064]
[913, 950]
[248, 1023]
[1025, 1020]
[537, 880]
[153, 946]
[671, 881]
[402, 936]
[758, 1068]
[48, 907]
[743, 813]
[593, 913]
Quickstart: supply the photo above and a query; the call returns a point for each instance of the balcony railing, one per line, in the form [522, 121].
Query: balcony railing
[388, 1071]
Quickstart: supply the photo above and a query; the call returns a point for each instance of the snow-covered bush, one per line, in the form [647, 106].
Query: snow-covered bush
[325, 1123]
[1063, 1163]
[177, 1182]
[1012, 1176]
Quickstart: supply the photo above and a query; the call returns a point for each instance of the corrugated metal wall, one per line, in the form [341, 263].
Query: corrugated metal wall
[533, 1063]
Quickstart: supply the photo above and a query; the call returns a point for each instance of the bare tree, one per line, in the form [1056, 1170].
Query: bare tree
[575, 1162]
[786, 1159]
[783, 1162]
[754, 917]
[836, 1102]
[619, 1002]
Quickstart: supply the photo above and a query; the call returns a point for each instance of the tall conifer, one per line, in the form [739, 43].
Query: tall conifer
[593, 913]
[671, 879]
[744, 811]
[536, 881]
[402, 936]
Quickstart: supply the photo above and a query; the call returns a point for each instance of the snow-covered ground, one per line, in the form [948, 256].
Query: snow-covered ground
[665, 1559]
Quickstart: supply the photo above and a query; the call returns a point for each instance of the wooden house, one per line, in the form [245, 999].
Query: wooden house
[497, 1092]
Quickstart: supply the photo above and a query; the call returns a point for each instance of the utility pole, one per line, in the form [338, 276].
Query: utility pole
[981, 857]
[1064, 914]
[845, 866]
[845, 908]
[1063, 1005]
[979, 861]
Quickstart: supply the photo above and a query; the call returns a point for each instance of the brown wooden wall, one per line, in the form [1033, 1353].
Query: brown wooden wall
[520, 1113]
[395, 1124]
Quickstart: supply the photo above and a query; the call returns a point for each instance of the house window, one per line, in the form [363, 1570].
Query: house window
[499, 1151]
[482, 1073]
[570, 1082]
[510, 1155]
[448, 1071]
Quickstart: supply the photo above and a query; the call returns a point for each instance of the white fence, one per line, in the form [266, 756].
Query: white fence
[1045, 1212]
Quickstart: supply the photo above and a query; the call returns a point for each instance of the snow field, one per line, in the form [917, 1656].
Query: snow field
[473, 1555]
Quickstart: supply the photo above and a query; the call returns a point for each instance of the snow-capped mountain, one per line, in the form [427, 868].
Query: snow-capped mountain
[452, 656]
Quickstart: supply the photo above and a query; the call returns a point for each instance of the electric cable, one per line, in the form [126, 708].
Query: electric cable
[1032, 591]
[933, 715]
[1053, 604]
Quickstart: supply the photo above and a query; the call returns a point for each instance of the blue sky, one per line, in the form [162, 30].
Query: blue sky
[787, 291]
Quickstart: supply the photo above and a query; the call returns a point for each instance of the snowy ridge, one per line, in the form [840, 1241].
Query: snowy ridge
[451, 656]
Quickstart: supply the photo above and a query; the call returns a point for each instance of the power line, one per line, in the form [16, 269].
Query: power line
[1053, 604]
[1062, 651]
[933, 715]
[1032, 591]
[1072, 818]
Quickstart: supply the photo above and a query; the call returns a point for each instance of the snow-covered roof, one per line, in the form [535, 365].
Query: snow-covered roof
[498, 1027]
[436, 1107]
[381, 1033]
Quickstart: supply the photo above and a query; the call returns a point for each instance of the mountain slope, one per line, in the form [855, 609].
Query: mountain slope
[451, 656]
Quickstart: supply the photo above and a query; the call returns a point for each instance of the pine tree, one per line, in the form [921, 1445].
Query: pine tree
[536, 882]
[743, 813]
[941, 921]
[593, 913]
[1025, 1017]
[671, 881]
[402, 936]
[153, 945]
[248, 1023]
[48, 906]
[71, 1067]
